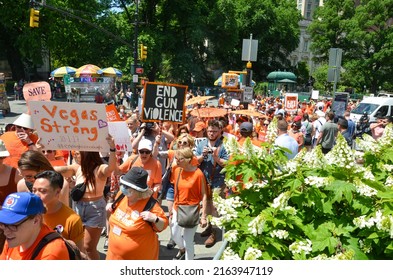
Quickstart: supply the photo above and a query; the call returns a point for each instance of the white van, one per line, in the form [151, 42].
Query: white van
[373, 106]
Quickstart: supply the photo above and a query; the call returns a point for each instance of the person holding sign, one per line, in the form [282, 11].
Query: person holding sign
[90, 170]
[145, 160]
[20, 139]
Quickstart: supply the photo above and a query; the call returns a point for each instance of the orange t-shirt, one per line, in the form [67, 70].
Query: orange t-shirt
[130, 237]
[54, 250]
[152, 166]
[189, 188]
[15, 147]
[255, 142]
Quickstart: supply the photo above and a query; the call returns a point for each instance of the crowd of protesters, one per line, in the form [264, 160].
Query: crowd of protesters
[124, 190]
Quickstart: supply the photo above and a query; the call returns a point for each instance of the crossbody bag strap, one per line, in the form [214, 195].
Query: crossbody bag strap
[43, 242]
[177, 184]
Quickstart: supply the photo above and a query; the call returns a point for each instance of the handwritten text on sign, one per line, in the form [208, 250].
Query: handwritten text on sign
[164, 102]
[70, 126]
[291, 102]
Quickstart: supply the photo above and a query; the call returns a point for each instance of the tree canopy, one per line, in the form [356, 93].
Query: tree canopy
[365, 34]
[187, 40]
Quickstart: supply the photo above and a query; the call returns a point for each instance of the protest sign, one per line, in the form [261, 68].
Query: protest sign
[119, 130]
[291, 102]
[111, 113]
[39, 91]
[70, 126]
[163, 102]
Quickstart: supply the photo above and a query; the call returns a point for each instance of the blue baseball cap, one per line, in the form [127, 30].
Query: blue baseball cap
[18, 206]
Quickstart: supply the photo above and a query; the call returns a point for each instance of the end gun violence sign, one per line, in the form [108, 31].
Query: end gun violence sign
[70, 126]
[164, 102]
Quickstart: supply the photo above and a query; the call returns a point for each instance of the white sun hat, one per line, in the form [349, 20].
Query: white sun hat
[24, 120]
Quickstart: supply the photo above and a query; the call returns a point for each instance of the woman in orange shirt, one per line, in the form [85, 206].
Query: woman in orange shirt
[190, 189]
[135, 220]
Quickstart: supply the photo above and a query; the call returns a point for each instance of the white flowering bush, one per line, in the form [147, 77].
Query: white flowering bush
[321, 207]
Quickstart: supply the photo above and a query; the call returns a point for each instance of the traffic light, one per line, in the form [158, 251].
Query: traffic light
[34, 17]
[143, 52]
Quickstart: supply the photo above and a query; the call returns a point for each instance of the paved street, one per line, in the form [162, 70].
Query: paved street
[201, 252]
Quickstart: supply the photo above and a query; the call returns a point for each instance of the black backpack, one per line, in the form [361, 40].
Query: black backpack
[73, 251]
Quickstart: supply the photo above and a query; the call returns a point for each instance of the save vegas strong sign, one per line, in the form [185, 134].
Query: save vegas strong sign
[70, 126]
[163, 102]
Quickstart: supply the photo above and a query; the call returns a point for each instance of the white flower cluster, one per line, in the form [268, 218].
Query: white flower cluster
[256, 225]
[231, 235]
[389, 182]
[281, 201]
[299, 247]
[364, 189]
[271, 133]
[290, 166]
[365, 248]
[313, 159]
[232, 146]
[341, 155]
[387, 167]
[381, 222]
[368, 144]
[252, 254]
[232, 184]
[229, 254]
[226, 208]
[387, 136]
[316, 181]
[279, 233]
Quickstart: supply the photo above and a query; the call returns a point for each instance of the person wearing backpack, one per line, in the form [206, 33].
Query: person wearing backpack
[135, 219]
[21, 219]
[47, 186]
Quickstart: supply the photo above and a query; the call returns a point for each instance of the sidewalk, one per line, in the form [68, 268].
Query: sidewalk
[201, 252]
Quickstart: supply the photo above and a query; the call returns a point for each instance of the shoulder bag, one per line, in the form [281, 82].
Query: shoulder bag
[78, 191]
[187, 215]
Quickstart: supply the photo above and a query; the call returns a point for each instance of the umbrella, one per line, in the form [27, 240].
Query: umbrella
[61, 71]
[197, 99]
[110, 72]
[218, 82]
[247, 113]
[209, 112]
[87, 70]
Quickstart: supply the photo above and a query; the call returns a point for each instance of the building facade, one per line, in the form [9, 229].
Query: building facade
[303, 52]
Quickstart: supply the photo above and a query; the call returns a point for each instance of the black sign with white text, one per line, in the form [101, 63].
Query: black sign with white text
[163, 102]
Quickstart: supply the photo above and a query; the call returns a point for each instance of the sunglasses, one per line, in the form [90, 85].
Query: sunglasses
[20, 127]
[182, 142]
[47, 151]
[146, 152]
[2, 157]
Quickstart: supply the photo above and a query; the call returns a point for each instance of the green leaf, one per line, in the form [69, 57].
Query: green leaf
[341, 189]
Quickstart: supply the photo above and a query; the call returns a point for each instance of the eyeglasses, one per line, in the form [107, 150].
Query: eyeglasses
[14, 227]
[182, 142]
[47, 151]
[146, 152]
[180, 159]
[29, 177]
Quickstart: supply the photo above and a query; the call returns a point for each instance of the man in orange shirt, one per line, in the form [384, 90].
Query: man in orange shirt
[19, 139]
[246, 130]
[21, 219]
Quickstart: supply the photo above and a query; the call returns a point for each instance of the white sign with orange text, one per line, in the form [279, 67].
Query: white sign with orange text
[70, 126]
